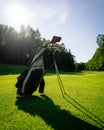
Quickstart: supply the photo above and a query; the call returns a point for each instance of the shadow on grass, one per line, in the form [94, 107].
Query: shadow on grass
[52, 114]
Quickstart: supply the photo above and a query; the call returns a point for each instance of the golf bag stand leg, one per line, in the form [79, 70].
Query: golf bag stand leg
[59, 80]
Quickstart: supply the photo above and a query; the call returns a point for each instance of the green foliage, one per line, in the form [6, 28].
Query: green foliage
[100, 40]
[65, 60]
[51, 111]
[80, 66]
[20, 47]
[97, 61]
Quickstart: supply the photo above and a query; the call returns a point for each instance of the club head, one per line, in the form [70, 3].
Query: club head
[55, 39]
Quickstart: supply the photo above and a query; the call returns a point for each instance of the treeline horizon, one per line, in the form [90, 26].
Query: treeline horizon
[19, 48]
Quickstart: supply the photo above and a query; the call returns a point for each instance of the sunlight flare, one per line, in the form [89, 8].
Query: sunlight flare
[18, 14]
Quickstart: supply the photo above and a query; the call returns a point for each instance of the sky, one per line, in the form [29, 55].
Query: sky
[78, 22]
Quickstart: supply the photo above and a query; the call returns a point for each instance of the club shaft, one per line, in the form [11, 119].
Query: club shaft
[59, 79]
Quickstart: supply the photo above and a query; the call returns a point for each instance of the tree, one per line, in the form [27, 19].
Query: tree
[80, 66]
[20, 47]
[97, 61]
[8, 35]
[100, 40]
[64, 59]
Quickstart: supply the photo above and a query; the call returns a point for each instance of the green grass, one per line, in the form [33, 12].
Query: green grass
[52, 111]
[10, 69]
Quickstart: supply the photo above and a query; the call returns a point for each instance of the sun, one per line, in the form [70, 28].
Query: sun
[18, 15]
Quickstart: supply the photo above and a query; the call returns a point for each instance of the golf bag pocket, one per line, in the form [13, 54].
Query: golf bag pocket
[32, 81]
[21, 78]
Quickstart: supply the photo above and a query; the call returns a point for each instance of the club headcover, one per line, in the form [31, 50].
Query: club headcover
[55, 39]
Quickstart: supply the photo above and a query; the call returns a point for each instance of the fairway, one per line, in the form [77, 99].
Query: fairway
[81, 109]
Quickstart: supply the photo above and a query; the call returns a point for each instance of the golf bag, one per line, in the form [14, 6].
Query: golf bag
[32, 78]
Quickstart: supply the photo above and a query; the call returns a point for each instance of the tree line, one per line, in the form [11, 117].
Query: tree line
[20, 47]
[96, 63]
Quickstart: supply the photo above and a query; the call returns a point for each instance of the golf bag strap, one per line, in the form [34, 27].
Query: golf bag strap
[38, 55]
